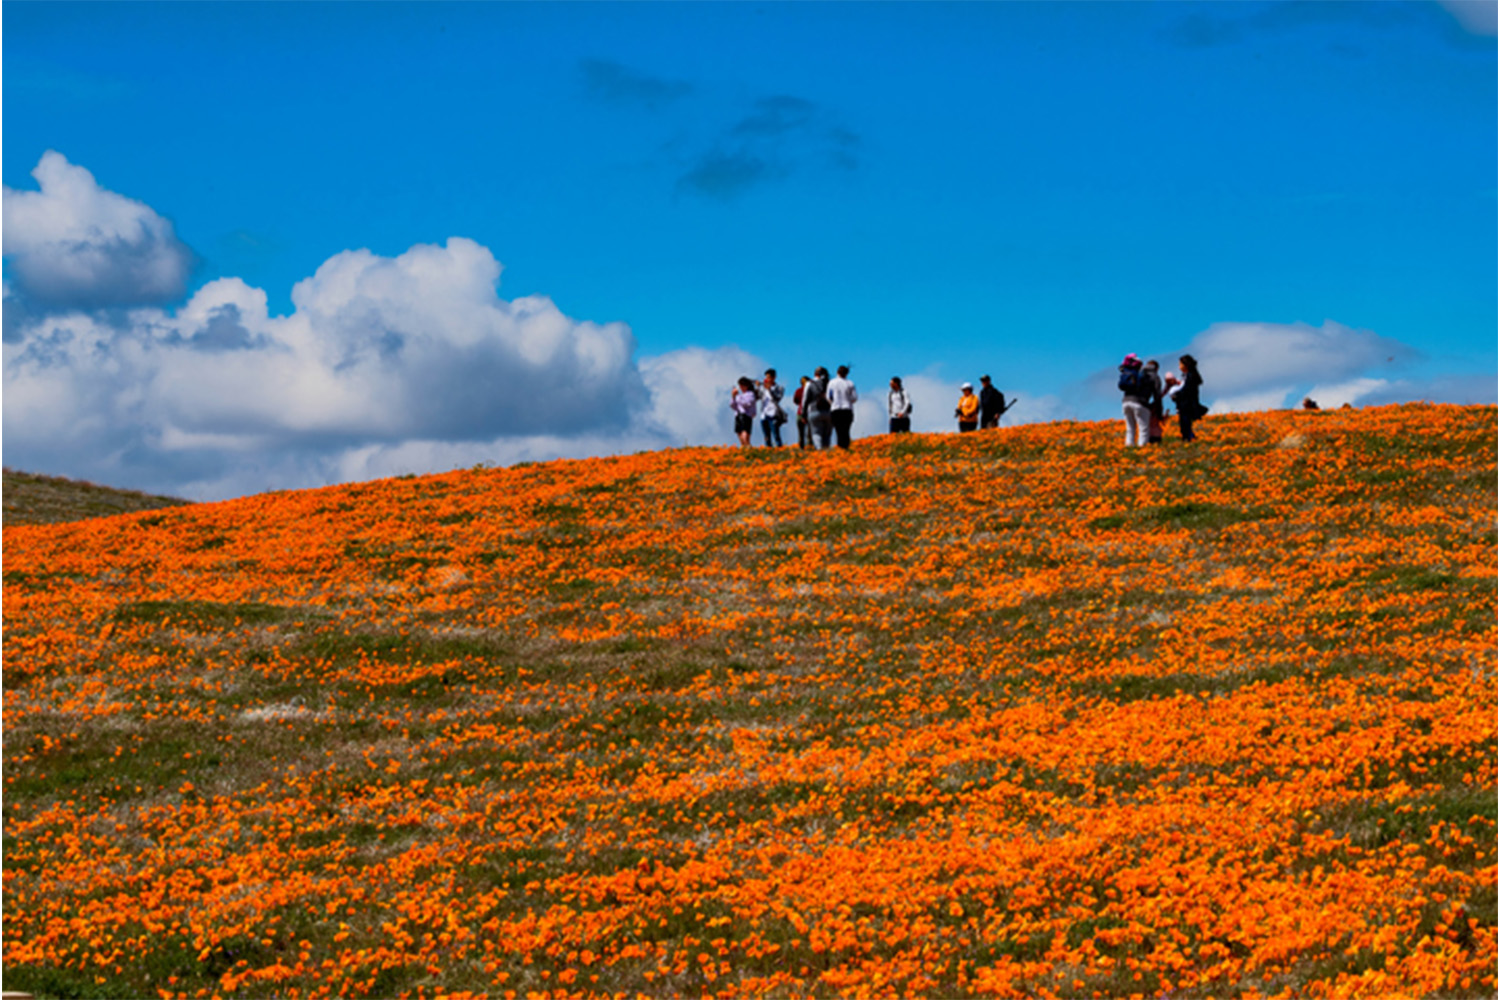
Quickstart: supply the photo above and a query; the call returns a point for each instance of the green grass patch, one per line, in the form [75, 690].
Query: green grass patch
[1188, 514]
[201, 614]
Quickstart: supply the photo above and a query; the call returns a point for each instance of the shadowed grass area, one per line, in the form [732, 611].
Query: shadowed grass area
[34, 499]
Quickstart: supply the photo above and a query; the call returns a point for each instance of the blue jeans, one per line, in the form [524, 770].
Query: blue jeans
[771, 428]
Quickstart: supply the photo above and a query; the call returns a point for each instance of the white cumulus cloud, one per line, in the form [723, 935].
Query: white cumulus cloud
[1263, 366]
[73, 244]
[378, 351]
[1255, 359]
[690, 392]
[385, 365]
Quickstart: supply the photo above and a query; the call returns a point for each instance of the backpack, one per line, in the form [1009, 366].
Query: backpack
[817, 398]
[1133, 382]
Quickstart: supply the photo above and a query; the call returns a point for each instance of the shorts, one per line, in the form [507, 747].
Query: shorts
[744, 423]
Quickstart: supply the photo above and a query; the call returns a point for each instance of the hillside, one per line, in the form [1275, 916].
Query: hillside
[34, 499]
[1016, 713]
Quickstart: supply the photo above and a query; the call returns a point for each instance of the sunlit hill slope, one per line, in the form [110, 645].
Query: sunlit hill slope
[1017, 713]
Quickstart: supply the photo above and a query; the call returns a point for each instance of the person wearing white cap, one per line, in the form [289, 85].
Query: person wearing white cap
[967, 410]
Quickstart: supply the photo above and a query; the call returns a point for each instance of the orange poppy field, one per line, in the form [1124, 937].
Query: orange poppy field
[1019, 713]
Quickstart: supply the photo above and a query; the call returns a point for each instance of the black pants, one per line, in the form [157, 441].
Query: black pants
[1185, 420]
[804, 434]
[842, 421]
[901, 425]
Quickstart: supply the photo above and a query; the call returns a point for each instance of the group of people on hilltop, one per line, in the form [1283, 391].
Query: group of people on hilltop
[824, 404]
[979, 410]
[1146, 392]
[824, 407]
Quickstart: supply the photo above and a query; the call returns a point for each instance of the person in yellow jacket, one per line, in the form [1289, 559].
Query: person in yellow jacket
[967, 410]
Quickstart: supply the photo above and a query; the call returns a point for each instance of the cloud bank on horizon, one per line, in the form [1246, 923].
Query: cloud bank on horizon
[415, 363]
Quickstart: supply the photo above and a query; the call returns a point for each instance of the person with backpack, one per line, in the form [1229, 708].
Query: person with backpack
[898, 405]
[1139, 391]
[799, 402]
[742, 402]
[991, 404]
[967, 410]
[819, 412]
[772, 416]
[1189, 407]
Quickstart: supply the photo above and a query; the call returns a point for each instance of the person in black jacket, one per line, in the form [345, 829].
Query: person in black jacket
[1189, 407]
[991, 404]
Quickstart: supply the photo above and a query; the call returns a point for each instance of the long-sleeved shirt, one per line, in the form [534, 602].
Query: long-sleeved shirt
[841, 394]
[898, 403]
[743, 403]
[991, 402]
[968, 408]
[770, 399]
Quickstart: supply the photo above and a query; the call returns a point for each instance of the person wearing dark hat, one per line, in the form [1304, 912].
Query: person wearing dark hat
[991, 403]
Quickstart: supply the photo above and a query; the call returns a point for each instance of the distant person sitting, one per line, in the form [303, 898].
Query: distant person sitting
[1308, 403]
[991, 404]
[967, 410]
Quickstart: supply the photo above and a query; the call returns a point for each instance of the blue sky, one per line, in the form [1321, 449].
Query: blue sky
[1304, 194]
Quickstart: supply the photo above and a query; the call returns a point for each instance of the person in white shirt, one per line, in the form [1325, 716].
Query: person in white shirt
[841, 399]
[898, 405]
[772, 416]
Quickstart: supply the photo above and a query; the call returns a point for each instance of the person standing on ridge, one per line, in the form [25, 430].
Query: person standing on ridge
[772, 416]
[967, 410]
[799, 401]
[1139, 390]
[1189, 407]
[841, 399]
[742, 402]
[1152, 371]
[898, 405]
[991, 404]
[815, 399]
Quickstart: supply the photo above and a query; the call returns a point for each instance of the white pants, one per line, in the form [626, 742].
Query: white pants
[1137, 423]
